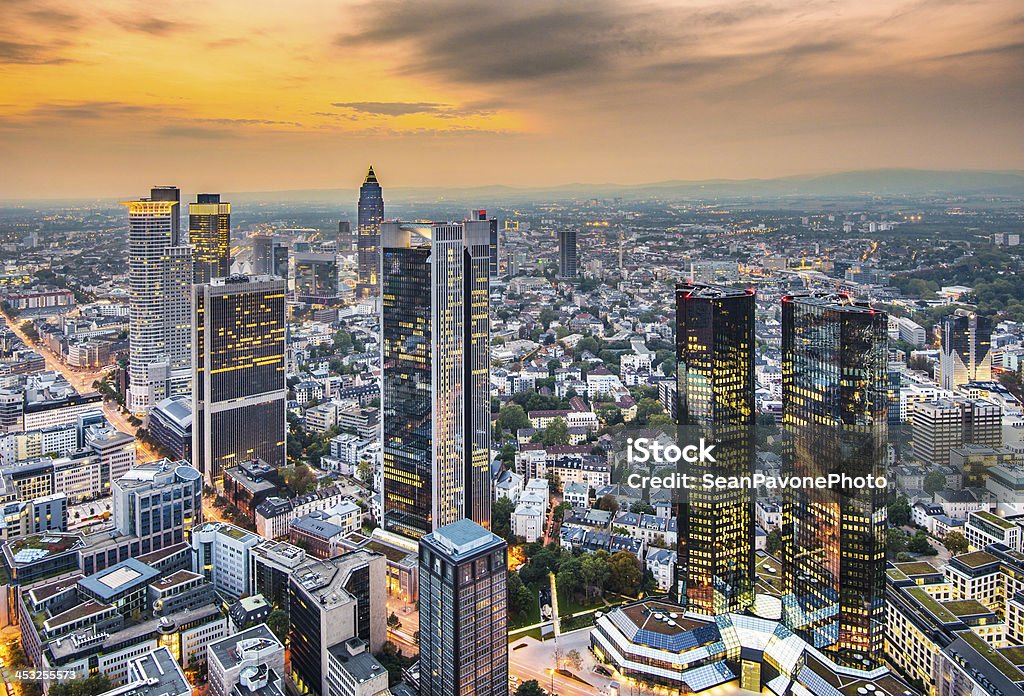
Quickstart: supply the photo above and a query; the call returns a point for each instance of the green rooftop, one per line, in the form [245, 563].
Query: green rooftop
[994, 519]
[1009, 670]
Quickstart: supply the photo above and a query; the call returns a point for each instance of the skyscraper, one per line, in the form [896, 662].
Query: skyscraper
[463, 612]
[344, 236]
[715, 352]
[435, 356]
[209, 233]
[238, 408]
[567, 259]
[494, 243]
[269, 256]
[316, 277]
[966, 349]
[159, 280]
[834, 393]
[371, 215]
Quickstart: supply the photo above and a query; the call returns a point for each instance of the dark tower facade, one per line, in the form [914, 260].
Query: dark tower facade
[463, 612]
[269, 256]
[344, 236]
[567, 259]
[370, 216]
[835, 410]
[209, 233]
[715, 353]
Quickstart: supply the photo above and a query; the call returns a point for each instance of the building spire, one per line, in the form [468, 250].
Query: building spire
[371, 178]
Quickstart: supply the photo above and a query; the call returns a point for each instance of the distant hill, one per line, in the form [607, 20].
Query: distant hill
[891, 182]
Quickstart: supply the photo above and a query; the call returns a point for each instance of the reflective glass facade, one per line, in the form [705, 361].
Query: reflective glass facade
[209, 233]
[370, 216]
[834, 372]
[715, 354]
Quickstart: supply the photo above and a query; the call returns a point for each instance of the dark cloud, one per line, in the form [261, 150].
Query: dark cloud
[16, 52]
[246, 122]
[1014, 49]
[392, 108]
[515, 41]
[154, 26]
[90, 110]
[196, 133]
[54, 18]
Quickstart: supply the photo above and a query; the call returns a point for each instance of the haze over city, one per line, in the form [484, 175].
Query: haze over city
[275, 96]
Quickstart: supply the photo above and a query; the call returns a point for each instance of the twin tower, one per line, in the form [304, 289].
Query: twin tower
[835, 405]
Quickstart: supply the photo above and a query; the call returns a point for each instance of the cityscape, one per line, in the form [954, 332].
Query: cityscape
[743, 422]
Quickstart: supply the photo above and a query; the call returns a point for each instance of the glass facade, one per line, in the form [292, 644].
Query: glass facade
[715, 354]
[966, 354]
[240, 392]
[567, 259]
[209, 233]
[834, 389]
[370, 216]
[316, 277]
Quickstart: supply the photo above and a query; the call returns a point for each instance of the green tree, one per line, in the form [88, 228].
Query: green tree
[278, 623]
[530, 688]
[625, 573]
[570, 575]
[919, 544]
[557, 433]
[512, 417]
[955, 543]
[899, 511]
[895, 542]
[90, 686]
[501, 517]
[607, 502]
[594, 572]
[934, 482]
[299, 479]
[520, 597]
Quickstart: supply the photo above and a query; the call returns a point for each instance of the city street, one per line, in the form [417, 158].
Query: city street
[533, 659]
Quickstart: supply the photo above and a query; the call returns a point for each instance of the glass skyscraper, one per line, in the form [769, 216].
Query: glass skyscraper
[715, 354]
[370, 216]
[435, 360]
[567, 258]
[966, 354]
[269, 256]
[209, 233]
[159, 281]
[239, 400]
[835, 409]
[316, 277]
[463, 612]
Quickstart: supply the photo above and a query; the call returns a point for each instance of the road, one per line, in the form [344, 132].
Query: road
[82, 380]
[536, 660]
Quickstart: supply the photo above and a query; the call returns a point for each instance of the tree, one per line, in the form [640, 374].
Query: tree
[594, 572]
[299, 479]
[557, 433]
[955, 543]
[934, 482]
[570, 575]
[90, 686]
[574, 659]
[512, 417]
[607, 502]
[394, 621]
[278, 623]
[530, 688]
[773, 544]
[625, 573]
[895, 542]
[501, 517]
[559, 512]
[519, 595]
[899, 511]
[919, 544]
[364, 470]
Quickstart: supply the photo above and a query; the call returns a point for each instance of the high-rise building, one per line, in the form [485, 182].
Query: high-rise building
[344, 236]
[715, 352]
[269, 256]
[316, 277]
[159, 282]
[435, 357]
[834, 392]
[159, 503]
[494, 243]
[966, 349]
[943, 425]
[331, 602]
[463, 611]
[371, 215]
[567, 260]
[209, 233]
[239, 400]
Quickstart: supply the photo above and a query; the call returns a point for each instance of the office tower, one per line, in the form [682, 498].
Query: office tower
[221, 554]
[567, 259]
[159, 281]
[494, 243]
[158, 503]
[371, 215]
[435, 355]
[331, 602]
[966, 355]
[715, 353]
[463, 612]
[209, 233]
[269, 256]
[834, 393]
[239, 399]
[316, 277]
[344, 236]
[943, 425]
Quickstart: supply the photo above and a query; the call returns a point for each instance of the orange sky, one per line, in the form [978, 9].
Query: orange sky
[108, 97]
